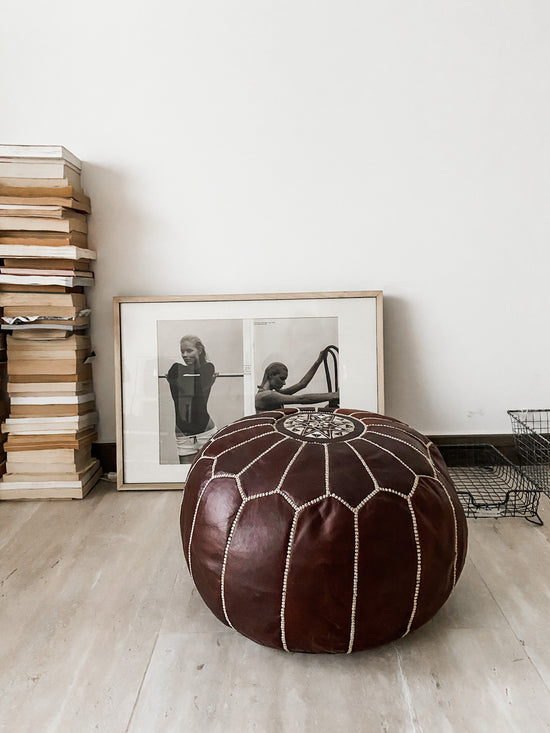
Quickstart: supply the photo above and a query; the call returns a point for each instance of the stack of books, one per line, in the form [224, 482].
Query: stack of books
[44, 270]
[4, 402]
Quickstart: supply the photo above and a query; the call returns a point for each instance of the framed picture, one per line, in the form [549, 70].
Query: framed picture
[188, 365]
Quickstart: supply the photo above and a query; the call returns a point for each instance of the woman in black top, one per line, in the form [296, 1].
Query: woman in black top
[190, 385]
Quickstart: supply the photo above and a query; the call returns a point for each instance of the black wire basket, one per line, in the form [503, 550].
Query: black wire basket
[531, 430]
[489, 485]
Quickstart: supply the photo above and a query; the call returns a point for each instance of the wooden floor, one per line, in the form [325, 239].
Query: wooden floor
[101, 630]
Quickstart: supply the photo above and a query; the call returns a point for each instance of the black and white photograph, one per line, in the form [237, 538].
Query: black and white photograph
[200, 383]
[296, 362]
[187, 366]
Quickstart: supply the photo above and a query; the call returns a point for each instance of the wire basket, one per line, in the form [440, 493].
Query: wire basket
[532, 437]
[489, 485]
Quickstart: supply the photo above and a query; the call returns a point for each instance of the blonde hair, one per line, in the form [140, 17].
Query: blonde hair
[197, 344]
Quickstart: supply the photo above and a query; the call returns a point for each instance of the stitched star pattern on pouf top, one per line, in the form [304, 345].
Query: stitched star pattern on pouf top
[319, 426]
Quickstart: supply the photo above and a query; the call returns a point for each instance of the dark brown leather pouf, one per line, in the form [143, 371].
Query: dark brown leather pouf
[322, 531]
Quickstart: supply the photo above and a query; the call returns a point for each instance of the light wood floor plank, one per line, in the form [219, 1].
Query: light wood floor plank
[84, 610]
[513, 558]
[13, 516]
[471, 605]
[222, 682]
[472, 681]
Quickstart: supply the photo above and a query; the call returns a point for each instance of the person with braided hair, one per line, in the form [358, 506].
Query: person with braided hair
[272, 393]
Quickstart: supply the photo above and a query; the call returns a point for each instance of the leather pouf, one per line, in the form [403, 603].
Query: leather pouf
[322, 530]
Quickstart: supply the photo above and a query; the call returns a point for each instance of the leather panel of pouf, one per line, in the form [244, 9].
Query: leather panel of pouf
[322, 530]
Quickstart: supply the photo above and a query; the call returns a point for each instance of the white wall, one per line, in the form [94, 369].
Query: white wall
[256, 146]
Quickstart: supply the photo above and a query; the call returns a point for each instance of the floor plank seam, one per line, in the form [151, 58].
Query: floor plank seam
[406, 692]
[153, 649]
[138, 694]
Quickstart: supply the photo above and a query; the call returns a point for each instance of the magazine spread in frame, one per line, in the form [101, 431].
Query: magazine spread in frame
[186, 366]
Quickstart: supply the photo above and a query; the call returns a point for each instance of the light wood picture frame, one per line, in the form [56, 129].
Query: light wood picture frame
[325, 341]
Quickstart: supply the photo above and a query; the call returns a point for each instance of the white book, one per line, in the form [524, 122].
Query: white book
[65, 252]
[39, 430]
[69, 272]
[53, 400]
[79, 420]
[24, 207]
[40, 151]
[12, 486]
[91, 473]
[27, 473]
[53, 168]
[44, 425]
[68, 282]
[60, 326]
[35, 320]
[50, 420]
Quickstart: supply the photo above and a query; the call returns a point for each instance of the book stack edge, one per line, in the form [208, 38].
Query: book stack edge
[49, 420]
